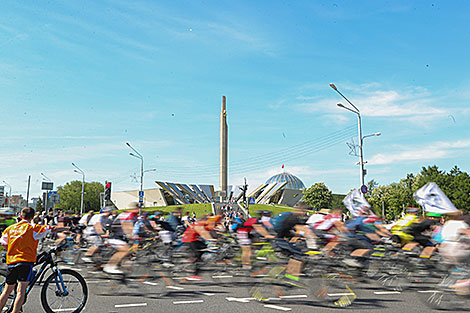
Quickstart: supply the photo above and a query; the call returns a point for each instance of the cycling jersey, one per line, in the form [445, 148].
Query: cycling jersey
[141, 227]
[288, 224]
[97, 218]
[22, 240]
[328, 222]
[399, 229]
[190, 234]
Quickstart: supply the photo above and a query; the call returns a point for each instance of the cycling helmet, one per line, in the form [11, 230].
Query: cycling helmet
[412, 210]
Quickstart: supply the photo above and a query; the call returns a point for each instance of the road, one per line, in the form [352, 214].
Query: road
[205, 297]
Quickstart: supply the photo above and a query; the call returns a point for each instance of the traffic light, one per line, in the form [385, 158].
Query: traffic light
[107, 191]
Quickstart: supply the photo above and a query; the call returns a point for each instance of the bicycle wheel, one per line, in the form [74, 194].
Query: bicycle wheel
[333, 289]
[73, 299]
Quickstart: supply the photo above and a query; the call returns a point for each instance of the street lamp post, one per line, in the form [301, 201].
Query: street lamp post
[9, 197]
[79, 171]
[141, 158]
[359, 126]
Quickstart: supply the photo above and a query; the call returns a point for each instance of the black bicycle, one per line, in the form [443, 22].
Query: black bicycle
[64, 290]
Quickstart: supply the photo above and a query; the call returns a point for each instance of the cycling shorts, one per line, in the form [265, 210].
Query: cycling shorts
[116, 243]
[19, 272]
[288, 248]
[95, 240]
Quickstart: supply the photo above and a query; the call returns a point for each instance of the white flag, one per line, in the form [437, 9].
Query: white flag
[355, 201]
[432, 199]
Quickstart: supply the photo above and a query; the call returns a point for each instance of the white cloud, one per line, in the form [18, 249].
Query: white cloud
[436, 150]
[372, 100]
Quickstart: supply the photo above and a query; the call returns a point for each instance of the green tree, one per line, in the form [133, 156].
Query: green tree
[371, 185]
[39, 206]
[318, 196]
[396, 196]
[337, 201]
[70, 196]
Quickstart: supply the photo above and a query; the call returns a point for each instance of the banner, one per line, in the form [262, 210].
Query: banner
[355, 201]
[432, 199]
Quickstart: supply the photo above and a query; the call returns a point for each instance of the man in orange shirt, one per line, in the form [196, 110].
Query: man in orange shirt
[21, 240]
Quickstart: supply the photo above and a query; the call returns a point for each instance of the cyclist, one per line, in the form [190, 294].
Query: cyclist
[64, 220]
[363, 231]
[175, 220]
[95, 232]
[285, 226]
[142, 226]
[244, 233]
[416, 230]
[21, 240]
[196, 236]
[398, 230]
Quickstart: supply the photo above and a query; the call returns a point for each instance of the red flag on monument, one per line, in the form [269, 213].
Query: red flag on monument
[282, 165]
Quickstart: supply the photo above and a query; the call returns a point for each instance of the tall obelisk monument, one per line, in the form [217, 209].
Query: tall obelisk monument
[223, 166]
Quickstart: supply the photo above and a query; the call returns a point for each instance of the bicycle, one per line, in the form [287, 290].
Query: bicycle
[63, 290]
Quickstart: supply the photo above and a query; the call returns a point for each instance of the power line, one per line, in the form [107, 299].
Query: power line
[277, 156]
[266, 162]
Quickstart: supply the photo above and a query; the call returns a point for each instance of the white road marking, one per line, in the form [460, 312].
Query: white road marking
[60, 310]
[387, 292]
[293, 297]
[428, 291]
[340, 294]
[175, 287]
[151, 283]
[243, 300]
[130, 305]
[191, 279]
[277, 307]
[222, 276]
[188, 302]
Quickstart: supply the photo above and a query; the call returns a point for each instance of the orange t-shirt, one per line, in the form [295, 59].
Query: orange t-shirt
[22, 239]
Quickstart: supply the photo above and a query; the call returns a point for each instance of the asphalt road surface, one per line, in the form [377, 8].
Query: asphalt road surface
[207, 296]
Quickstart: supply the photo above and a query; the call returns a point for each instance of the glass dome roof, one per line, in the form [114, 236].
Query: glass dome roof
[293, 182]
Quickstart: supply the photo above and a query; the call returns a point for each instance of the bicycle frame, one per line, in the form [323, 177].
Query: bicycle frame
[48, 264]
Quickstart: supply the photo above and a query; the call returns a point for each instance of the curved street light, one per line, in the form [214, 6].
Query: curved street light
[79, 171]
[141, 158]
[356, 111]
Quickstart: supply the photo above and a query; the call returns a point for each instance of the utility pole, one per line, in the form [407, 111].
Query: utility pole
[141, 158]
[356, 111]
[27, 191]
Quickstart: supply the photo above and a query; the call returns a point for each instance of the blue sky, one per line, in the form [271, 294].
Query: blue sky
[79, 79]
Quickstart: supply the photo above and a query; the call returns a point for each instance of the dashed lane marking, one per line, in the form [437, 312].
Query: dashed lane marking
[242, 300]
[188, 302]
[129, 305]
[293, 297]
[276, 307]
[387, 292]
[428, 291]
[63, 310]
[340, 294]
[174, 287]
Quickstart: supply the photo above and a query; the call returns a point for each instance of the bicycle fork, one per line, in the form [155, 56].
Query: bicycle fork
[59, 282]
